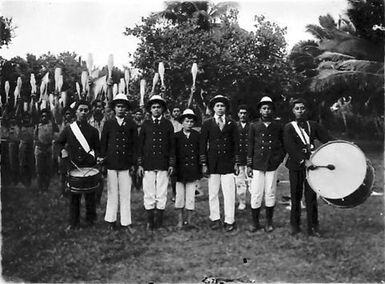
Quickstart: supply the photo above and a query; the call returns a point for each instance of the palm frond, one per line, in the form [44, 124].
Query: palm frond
[333, 56]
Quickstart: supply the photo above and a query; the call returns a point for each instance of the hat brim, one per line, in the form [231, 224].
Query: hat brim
[183, 116]
[115, 102]
[161, 102]
[219, 100]
[265, 103]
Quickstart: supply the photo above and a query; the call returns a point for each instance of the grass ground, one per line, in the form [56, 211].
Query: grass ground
[37, 249]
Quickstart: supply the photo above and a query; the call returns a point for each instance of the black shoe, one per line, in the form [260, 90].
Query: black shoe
[129, 229]
[72, 228]
[294, 230]
[215, 225]
[269, 228]
[229, 227]
[254, 228]
[111, 226]
[314, 232]
[90, 223]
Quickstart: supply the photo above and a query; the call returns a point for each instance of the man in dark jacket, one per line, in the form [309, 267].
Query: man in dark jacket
[118, 148]
[241, 179]
[156, 160]
[188, 170]
[265, 154]
[299, 136]
[82, 153]
[219, 154]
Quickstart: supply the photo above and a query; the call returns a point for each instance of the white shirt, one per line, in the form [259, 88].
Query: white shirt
[120, 120]
[243, 124]
[154, 118]
[217, 118]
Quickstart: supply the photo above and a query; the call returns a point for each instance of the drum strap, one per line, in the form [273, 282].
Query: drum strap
[301, 133]
[80, 137]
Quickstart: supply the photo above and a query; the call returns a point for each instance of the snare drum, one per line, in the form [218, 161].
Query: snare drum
[342, 176]
[83, 180]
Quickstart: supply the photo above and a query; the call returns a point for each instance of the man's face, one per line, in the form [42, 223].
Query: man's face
[299, 110]
[44, 117]
[68, 116]
[120, 110]
[188, 123]
[175, 112]
[219, 108]
[156, 110]
[242, 115]
[266, 111]
[138, 116]
[99, 107]
[82, 112]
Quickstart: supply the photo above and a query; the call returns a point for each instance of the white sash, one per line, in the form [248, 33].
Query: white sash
[302, 134]
[80, 137]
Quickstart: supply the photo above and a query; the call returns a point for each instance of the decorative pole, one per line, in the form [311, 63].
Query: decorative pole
[161, 74]
[154, 82]
[84, 79]
[194, 71]
[127, 79]
[142, 92]
[6, 87]
[110, 65]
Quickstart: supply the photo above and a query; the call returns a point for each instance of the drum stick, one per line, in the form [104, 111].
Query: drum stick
[330, 167]
[76, 166]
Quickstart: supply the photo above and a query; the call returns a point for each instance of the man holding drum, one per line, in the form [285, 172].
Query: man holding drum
[81, 151]
[118, 144]
[299, 136]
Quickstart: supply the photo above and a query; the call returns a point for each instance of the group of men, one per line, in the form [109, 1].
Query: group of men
[151, 153]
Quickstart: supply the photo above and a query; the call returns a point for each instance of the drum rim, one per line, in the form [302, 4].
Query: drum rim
[368, 164]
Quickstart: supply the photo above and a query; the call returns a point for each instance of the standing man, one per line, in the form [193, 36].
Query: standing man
[83, 147]
[175, 113]
[118, 148]
[241, 179]
[219, 154]
[299, 136]
[156, 160]
[265, 154]
[188, 169]
[97, 120]
[26, 156]
[44, 136]
[138, 119]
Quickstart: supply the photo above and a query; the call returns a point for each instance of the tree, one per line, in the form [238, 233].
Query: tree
[6, 31]
[231, 61]
[350, 59]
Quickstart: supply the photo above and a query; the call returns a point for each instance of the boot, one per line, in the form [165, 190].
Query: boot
[254, 220]
[269, 219]
[158, 218]
[180, 218]
[150, 219]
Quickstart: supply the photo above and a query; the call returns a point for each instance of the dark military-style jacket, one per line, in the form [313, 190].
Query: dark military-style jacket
[219, 148]
[294, 146]
[75, 150]
[156, 149]
[243, 142]
[118, 144]
[266, 151]
[188, 167]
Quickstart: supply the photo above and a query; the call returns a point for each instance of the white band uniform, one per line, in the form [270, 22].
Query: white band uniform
[263, 183]
[155, 185]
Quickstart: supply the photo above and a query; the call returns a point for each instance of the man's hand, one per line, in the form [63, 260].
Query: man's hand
[99, 160]
[170, 171]
[64, 153]
[249, 172]
[308, 163]
[204, 170]
[132, 170]
[236, 169]
[140, 171]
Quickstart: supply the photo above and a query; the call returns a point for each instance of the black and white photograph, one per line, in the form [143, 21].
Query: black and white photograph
[183, 141]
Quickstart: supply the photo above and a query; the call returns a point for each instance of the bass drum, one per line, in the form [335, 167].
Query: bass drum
[342, 175]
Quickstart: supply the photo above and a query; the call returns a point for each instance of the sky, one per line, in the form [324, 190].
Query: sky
[97, 26]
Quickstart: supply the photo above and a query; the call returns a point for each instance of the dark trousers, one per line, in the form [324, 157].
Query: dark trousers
[75, 200]
[297, 184]
[27, 160]
[43, 159]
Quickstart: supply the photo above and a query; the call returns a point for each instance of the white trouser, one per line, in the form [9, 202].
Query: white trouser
[118, 185]
[242, 182]
[227, 182]
[155, 185]
[185, 195]
[263, 183]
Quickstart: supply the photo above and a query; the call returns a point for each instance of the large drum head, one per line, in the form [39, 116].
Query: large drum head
[348, 175]
[83, 172]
